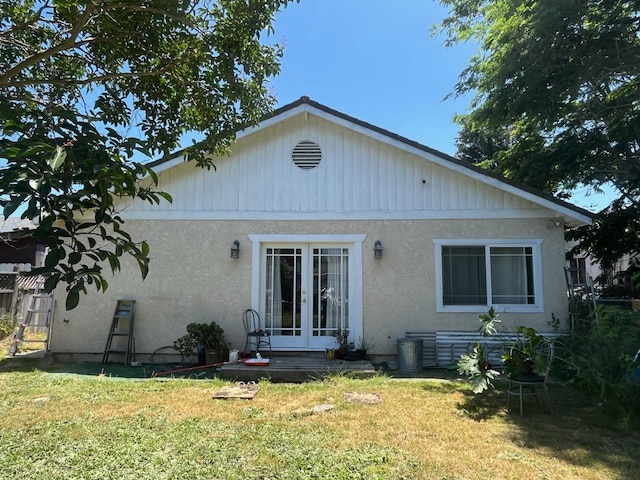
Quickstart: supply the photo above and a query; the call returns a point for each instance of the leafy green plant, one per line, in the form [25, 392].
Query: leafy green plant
[475, 365]
[528, 353]
[364, 344]
[477, 368]
[602, 361]
[211, 336]
[8, 324]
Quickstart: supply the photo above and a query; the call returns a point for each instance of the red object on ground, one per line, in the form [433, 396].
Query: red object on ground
[257, 362]
[188, 369]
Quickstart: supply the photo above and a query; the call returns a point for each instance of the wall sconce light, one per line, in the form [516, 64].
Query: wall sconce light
[235, 249]
[377, 249]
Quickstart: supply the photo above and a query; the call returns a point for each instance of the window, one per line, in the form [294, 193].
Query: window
[474, 275]
[578, 270]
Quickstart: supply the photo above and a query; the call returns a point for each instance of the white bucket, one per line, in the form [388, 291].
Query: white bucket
[233, 356]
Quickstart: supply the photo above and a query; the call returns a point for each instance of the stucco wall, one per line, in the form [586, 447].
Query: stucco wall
[192, 279]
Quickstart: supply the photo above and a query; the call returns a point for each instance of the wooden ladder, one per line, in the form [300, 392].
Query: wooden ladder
[38, 317]
[122, 330]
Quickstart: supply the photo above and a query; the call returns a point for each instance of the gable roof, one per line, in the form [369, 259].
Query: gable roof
[573, 215]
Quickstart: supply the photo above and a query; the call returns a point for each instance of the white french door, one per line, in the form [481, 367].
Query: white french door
[306, 293]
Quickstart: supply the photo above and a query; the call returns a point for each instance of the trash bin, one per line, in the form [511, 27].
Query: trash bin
[410, 354]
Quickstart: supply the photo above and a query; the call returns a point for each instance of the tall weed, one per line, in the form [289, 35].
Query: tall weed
[602, 361]
[8, 324]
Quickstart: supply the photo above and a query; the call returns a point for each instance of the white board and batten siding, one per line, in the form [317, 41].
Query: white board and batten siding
[359, 177]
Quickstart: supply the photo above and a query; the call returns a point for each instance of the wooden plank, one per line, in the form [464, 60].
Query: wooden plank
[241, 390]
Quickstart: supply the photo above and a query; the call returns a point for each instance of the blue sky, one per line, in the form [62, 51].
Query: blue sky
[376, 60]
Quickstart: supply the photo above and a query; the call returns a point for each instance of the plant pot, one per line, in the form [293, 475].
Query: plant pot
[527, 367]
[351, 356]
[361, 354]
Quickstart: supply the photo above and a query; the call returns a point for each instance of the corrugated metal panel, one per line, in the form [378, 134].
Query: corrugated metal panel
[356, 174]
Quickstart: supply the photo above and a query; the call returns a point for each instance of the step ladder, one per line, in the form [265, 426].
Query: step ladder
[581, 291]
[38, 317]
[120, 339]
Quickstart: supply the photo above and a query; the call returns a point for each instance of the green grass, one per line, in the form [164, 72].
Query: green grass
[61, 427]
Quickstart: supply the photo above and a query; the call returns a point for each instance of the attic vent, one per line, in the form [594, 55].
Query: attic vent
[306, 155]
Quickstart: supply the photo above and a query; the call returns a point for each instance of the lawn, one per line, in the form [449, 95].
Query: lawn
[75, 427]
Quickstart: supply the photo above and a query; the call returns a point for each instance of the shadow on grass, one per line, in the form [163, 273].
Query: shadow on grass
[578, 430]
[489, 404]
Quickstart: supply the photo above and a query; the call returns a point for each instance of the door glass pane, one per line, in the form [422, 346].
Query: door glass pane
[330, 297]
[283, 291]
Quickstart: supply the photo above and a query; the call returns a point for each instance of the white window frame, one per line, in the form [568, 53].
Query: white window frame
[536, 247]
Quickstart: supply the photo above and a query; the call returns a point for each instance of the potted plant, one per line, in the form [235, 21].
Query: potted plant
[528, 356]
[342, 337]
[202, 338]
[361, 349]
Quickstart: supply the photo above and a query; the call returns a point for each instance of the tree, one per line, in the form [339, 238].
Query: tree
[78, 79]
[562, 79]
[480, 147]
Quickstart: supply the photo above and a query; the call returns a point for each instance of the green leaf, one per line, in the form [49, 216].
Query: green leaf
[166, 196]
[12, 205]
[73, 298]
[58, 158]
[53, 257]
[51, 282]
[74, 257]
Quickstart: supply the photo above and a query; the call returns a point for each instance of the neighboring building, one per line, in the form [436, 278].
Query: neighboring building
[18, 250]
[309, 194]
[613, 281]
[19, 253]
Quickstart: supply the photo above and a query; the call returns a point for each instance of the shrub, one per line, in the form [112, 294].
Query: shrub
[602, 361]
[211, 336]
[8, 324]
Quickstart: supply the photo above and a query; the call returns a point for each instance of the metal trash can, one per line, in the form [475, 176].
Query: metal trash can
[410, 354]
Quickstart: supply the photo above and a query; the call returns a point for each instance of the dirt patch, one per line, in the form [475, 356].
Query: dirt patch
[366, 398]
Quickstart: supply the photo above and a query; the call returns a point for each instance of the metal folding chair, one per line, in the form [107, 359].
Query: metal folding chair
[256, 335]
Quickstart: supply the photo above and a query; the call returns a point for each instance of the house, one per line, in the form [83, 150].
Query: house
[320, 221]
[18, 250]
[19, 253]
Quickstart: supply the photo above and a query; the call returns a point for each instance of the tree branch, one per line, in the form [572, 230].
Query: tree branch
[69, 43]
[96, 79]
[23, 26]
[184, 19]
